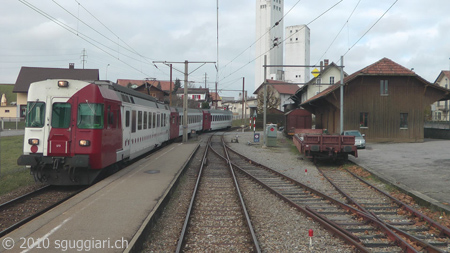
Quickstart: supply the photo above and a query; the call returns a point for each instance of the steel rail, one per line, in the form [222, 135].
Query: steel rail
[34, 215]
[241, 199]
[428, 247]
[391, 235]
[443, 230]
[181, 239]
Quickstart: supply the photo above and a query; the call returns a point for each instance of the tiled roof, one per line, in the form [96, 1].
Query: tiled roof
[383, 67]
[443, 73]
[281, 86]
[194, 91]
[214, 96]
[28, 75]
[165, 85]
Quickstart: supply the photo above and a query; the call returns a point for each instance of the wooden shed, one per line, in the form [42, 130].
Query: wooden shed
[297, 119]
[385, 101]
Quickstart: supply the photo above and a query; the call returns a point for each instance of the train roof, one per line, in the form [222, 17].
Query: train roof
[128, 91]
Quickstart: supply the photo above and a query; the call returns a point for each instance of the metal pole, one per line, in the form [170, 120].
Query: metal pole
[265, 98]
[170, 94]
[185, 99]
[243, 102]
[342, 96]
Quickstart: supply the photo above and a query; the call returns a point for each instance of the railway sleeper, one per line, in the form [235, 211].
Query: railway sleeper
[371, 237]
[400, 223]
[360, 229]
[332, 212]
[380, 207]
[378, 244]
[382, 212]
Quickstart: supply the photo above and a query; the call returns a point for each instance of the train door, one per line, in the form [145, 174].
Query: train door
[173, 125]
[206, 121]
[60, 126]
[126, 132]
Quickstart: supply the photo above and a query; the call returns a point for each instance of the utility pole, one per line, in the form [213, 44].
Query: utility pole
[243, 101]
[170, 94]
[84, 55]
[185, 97]
[342, 96]
[185, 102]
[265, 98]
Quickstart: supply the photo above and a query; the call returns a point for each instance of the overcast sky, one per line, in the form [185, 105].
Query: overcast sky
[123, 38]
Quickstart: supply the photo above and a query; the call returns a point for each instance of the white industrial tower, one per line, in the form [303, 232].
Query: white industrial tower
[297, 52]
[269, 35]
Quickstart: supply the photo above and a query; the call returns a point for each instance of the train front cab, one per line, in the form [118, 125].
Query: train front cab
[71, 132]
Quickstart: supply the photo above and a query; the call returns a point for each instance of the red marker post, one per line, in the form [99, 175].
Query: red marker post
[311, 233]
[306, 172]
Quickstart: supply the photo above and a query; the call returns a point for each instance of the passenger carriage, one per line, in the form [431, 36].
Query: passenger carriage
[76, 128]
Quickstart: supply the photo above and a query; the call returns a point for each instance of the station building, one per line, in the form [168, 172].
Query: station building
[385, 101]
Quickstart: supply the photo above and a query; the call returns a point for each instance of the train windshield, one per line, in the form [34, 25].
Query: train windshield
[35, 114]
[61, 115]
[90, 116]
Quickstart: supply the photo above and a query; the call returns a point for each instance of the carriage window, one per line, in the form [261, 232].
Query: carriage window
[139, 120]
[127, 119]
[158, 120]
[154, 120]
[61, 115]
[149, 120]
[133, 121]
[145, 120]
[90, 116]
[35, 114]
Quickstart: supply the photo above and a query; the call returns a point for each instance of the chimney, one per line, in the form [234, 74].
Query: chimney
[325, 62]
[321, 66]
[71, 65]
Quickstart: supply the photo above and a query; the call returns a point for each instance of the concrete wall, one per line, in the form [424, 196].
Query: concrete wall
[434, 133]
[437, 130]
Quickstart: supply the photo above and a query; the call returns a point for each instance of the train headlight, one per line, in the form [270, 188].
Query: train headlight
[63, 84]
[85, 143]
[33, 141]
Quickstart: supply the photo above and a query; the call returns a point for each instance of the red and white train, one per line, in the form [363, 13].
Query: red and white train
[75, 129]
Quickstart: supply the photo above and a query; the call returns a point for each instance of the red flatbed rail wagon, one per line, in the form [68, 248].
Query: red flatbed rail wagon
[336, 147]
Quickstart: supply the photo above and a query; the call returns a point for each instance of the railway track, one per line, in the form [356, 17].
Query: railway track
[18, 211]
[420, 230]
[217, 219]
[365, 232]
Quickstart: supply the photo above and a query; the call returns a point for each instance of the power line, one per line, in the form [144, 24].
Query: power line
[80, 35]
[343, 26]
[376, 22]
[323, 13]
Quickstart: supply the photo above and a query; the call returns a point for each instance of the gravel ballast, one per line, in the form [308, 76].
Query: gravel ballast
[278, 226]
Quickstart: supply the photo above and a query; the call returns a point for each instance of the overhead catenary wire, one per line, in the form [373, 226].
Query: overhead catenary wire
[337, 35]
[370, 28]
[97, 44]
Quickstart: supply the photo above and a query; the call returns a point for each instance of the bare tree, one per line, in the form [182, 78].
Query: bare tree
[272, 101]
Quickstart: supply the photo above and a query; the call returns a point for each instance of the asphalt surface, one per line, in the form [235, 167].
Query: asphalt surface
[422, 169]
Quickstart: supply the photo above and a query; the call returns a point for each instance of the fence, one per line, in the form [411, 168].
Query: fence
[11, 123]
